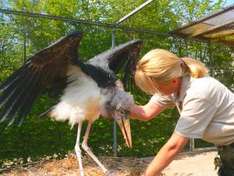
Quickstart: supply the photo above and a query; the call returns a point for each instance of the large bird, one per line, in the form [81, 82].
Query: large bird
[91, 88]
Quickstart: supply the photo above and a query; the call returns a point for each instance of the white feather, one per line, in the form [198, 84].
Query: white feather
[81, 99]
[84, 100]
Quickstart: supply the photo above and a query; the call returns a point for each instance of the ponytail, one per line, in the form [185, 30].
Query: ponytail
[197, 68]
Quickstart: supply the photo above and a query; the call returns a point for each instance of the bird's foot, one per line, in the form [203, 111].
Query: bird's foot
[111, 173]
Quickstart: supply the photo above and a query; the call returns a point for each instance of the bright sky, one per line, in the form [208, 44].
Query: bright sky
[229, 2]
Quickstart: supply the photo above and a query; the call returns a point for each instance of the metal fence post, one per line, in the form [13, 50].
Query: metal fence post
[191, 145]
[114, 147]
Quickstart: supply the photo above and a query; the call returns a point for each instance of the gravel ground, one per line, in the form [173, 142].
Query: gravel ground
[186, 164]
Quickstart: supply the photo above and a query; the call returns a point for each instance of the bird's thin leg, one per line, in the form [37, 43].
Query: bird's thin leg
[78, 150]
[88, 150]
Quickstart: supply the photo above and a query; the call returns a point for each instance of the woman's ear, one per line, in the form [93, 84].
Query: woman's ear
[174, 80]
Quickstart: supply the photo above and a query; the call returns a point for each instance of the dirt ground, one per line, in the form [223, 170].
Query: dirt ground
[186, 164]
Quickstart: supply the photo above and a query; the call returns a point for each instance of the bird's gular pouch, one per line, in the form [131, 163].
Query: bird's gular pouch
[124, 125]
[119, 108]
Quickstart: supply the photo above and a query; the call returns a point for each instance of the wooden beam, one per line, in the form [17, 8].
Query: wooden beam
[204, 19]
[213, 29]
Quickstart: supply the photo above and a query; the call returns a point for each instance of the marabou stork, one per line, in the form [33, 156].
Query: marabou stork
[91, 88]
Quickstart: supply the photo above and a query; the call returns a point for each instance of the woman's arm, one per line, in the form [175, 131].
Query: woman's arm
[167, 153]
[145, 112]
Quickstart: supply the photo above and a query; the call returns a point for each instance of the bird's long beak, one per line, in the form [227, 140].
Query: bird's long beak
[124, 125]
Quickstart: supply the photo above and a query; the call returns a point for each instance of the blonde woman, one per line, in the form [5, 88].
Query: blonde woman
[206, 106]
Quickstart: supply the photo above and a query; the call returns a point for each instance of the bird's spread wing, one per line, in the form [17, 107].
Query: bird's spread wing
[41, 71]
[121, 60]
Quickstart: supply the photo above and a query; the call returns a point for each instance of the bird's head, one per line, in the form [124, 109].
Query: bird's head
[118, 108]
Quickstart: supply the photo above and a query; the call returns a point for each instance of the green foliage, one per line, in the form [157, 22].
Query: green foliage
[41, 136]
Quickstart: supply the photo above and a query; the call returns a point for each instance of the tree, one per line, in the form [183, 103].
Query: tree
[160, 16]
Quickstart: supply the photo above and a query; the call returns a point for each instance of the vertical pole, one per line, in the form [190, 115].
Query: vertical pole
[114, 123]
[25, 51]
[191, 145]
[25, 38]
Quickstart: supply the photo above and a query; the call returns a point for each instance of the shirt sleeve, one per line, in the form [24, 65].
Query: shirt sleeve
[195, 117]
[164, 101]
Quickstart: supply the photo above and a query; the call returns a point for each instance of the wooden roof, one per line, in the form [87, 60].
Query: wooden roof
[218, 27]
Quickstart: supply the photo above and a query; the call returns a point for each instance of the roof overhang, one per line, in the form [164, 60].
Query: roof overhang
[218, 27]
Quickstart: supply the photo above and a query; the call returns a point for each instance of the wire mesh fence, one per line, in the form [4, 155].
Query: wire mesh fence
[22, 36]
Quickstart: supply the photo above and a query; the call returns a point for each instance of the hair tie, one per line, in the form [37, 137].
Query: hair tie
[184, 66]
[182, 63]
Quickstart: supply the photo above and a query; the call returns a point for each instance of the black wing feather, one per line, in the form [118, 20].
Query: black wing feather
[15, 102]
[8, 87]
[13, 77]
[12, 98]
[41, 71]
[121, 59]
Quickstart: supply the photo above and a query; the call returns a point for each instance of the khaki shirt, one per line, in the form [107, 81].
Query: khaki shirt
[206, 110]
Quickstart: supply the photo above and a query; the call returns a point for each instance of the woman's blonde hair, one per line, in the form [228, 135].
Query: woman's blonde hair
[161, 66]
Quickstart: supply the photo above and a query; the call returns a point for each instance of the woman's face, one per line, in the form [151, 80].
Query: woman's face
[172, 86]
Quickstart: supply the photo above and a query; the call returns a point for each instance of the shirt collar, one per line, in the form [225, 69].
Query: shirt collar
[185, 84]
